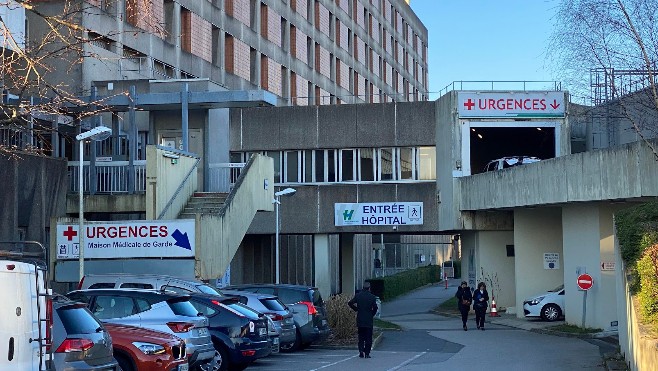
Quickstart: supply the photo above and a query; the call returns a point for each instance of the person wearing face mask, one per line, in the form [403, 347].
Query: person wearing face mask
[480, 304]
[464, 299]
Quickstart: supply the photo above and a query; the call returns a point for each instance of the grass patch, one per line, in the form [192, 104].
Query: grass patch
[385, 325]
[572, 329]
[449, 305]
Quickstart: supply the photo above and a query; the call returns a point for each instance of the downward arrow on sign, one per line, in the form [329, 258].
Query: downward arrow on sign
[181, 239]
[555, 104]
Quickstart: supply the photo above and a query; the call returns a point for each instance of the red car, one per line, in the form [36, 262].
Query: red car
[141, 349]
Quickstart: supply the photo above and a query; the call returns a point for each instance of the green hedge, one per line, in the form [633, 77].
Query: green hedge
[637, 231]
[390, 287]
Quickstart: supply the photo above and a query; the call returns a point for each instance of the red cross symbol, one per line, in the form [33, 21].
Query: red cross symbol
[70, 233]
[469, 104]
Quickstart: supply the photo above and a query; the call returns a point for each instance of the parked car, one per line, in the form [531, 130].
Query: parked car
[273, 336]
[239, 333]
[510, 161]
[141, 349]
[549, 306]
[308, 308]
[272, 307]
[156, 310]
[144, 281]
[78, 340]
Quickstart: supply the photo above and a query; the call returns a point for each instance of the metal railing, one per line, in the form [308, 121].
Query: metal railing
[111, 177]
[222, 176]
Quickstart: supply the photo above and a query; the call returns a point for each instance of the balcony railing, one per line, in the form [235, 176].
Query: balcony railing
[222, 176]
[111, 177]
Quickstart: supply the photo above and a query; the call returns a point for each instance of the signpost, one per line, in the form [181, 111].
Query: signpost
[506, 104]
[584, 282]
[378, 214]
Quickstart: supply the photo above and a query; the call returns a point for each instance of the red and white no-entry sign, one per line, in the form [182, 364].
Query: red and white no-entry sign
[585, 282]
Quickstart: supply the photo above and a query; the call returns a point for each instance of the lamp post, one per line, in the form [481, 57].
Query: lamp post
[277, 202]
[95, 134]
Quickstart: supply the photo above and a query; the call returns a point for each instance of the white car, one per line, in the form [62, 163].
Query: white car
[549, 306]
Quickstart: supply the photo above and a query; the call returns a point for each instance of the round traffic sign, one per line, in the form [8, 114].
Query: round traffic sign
[585, 281]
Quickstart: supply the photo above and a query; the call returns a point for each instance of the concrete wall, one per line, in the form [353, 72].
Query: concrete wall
[588, 240]
[497, 266]
[536, 231]
[163, 177]
[635, 340]
[33, 190]
[624, 172]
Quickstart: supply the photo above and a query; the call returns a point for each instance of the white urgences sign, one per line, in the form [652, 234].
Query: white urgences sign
[506, 104]
[129, 239]
[380, 213]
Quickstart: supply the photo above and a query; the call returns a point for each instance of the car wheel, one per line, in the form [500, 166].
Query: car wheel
[124, 362]
[217, 363]
[291, 347]
[551, 312]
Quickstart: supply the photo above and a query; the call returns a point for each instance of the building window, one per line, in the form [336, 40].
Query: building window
[347, 165]
[427, 163]
[386, 163]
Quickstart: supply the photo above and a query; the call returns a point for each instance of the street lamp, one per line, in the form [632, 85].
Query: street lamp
[277, 202]
[95, 134]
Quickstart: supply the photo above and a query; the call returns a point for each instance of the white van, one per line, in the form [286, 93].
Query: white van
[144, 281]
[23, 325]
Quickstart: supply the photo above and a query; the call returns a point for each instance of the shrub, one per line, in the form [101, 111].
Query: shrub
[401, 283]
[342, 319]
[647, 267]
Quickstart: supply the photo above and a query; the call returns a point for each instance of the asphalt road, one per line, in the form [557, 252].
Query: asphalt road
[432, 342]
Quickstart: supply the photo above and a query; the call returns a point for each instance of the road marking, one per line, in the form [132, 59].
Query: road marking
[407, 362]
[334, 363]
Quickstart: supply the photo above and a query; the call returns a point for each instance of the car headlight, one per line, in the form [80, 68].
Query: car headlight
[148, 348]
[536, 301]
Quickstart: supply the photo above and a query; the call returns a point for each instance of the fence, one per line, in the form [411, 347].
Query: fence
[222, 176]
[111, 177]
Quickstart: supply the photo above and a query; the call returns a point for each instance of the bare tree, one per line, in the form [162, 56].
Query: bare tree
[610, 47]
[31, 96]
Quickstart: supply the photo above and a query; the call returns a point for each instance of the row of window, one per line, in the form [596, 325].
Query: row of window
[350, 165]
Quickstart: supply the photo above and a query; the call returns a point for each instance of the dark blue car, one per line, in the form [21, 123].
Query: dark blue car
[238, 332]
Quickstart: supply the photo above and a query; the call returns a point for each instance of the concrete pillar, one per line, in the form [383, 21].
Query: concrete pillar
[347, 263]
[322, 259]
[536, 232]
[588, 242]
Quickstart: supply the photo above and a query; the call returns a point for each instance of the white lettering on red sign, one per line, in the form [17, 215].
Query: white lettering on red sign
[495, 104]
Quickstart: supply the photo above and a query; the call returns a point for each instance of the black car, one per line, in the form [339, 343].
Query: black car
[309, 310]
[239, 333]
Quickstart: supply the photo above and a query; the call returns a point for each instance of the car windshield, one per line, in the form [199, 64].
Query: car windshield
[273, 304]
[242, 309]
[78, 320]
[208, 290]
[557, 288]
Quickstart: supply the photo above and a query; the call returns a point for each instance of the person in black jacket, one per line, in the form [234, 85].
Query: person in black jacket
[480, 304]
[464, 299]
[365, 305]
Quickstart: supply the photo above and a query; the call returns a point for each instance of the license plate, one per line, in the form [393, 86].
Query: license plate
[275, 341]
[203, 331]
[184, 367]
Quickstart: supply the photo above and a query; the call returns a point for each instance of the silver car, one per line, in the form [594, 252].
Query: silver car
[273, 308]
[78, 340]
[162, 311]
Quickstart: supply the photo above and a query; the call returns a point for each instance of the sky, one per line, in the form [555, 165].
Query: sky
[486, 40]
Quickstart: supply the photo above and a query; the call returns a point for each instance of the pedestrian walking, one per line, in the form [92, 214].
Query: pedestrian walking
[464, 300]
[480, 304]
[365, 305]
